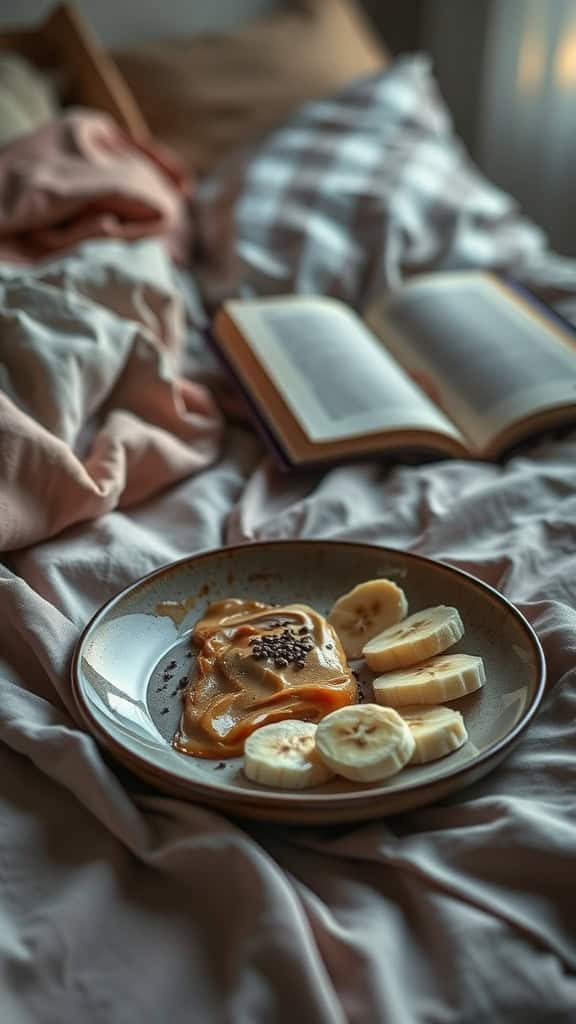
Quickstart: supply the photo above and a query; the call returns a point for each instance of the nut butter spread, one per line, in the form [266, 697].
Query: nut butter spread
[259, 663]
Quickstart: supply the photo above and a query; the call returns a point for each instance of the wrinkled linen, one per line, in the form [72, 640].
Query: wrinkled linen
[80, 176]
[94, 412]
[121, 905]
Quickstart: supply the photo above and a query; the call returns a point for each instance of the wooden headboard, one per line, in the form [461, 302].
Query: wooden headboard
[64, 41]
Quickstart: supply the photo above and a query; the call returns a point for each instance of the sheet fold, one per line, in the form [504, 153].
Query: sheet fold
[93, 411]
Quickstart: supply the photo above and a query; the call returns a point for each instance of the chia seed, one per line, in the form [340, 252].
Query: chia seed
[286, 648]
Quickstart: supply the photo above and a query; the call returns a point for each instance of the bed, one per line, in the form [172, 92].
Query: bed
[124, 447]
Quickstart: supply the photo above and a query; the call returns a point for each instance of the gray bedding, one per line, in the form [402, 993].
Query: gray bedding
[122, 906]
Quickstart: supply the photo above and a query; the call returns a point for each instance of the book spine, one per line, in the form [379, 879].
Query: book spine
[543, 307]
[268, 437]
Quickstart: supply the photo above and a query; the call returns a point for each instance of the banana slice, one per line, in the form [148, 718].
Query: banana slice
[283, 755]
[437, 731]
[364, 742]
[418, 637]
[366, 610]
[445, 677]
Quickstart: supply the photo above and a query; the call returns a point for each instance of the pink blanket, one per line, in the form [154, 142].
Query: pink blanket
[94, 413]
[81, 177]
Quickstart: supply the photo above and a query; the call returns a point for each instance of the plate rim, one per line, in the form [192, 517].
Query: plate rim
[302, 800]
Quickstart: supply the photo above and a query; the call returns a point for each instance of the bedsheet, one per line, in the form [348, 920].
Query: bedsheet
[119, 905]
[94, 411]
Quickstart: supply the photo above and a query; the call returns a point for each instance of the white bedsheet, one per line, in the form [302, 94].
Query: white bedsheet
[119, 907]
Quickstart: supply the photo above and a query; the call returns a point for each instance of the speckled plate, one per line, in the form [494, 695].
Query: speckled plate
[133, 656]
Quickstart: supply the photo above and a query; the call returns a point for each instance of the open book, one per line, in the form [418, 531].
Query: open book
[461, 364]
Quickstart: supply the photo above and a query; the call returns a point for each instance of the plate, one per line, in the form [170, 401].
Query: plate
[132, 659]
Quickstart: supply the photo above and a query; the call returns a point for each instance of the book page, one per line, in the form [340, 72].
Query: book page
[336, 378]
[488, 356]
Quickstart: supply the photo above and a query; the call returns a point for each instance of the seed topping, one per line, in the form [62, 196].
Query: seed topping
[286, 648]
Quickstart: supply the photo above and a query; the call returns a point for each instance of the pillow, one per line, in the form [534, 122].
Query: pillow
[352, 194]
[207, 95]
[27, 99]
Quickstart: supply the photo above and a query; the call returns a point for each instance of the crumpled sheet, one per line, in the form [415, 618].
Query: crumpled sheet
[79, 177]
[94, 410]
[120, 905]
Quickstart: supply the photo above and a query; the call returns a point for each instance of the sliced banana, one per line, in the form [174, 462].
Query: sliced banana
[444, 677]
[366, 610]
[364, 742]
[284, 755]
[437, 731]
[420, 636]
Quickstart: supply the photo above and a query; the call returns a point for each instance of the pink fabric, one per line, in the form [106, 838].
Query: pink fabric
[81, 177]
[93, 412]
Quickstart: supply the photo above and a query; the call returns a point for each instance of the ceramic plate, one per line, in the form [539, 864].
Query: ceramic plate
[135, 653]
